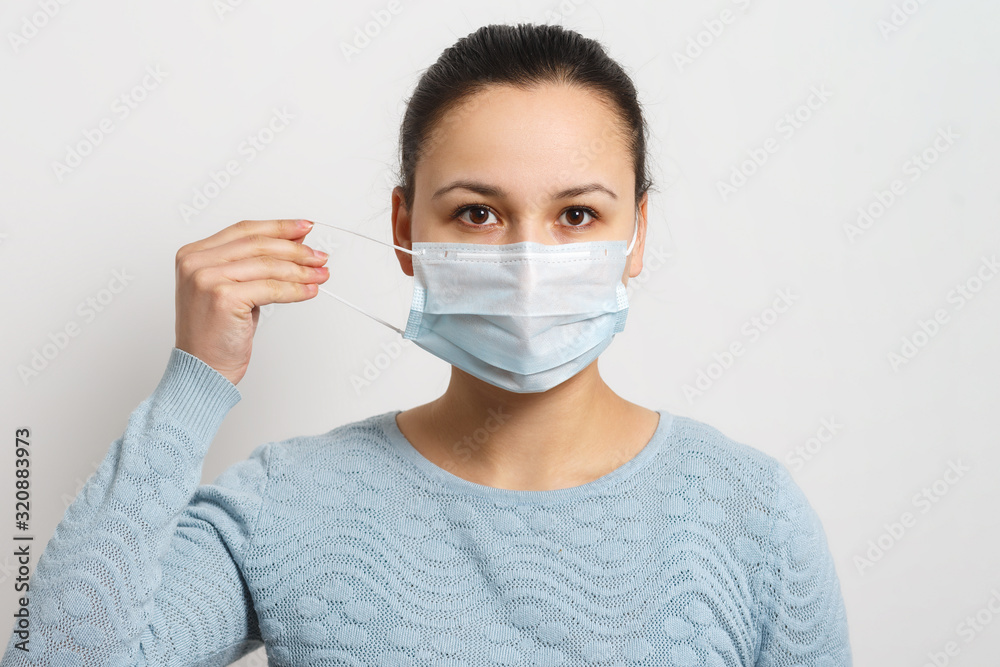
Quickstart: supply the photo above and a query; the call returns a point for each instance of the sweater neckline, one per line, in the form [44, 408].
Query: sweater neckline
[460, 485]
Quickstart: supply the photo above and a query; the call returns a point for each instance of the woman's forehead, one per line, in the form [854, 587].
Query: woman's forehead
[545, 115]
[514, 135]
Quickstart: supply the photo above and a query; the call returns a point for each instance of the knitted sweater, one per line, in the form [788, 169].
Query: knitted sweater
[351, 548]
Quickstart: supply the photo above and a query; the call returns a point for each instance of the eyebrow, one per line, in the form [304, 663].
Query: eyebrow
[487, 190]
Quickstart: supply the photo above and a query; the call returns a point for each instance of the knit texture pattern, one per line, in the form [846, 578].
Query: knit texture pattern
[351, 548]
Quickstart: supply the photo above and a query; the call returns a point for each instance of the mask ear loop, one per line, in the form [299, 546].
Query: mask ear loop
[391, 245]
[348, 303]
[635, 235]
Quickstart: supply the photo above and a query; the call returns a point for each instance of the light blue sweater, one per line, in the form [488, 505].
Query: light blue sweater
[351, 548]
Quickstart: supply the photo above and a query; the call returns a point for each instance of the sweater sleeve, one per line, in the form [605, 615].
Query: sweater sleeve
[144, 567]
[805, 622]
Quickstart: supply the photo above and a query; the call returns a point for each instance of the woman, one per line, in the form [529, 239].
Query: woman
[527, 516]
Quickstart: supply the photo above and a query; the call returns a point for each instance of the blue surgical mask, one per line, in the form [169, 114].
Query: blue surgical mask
[522, 316]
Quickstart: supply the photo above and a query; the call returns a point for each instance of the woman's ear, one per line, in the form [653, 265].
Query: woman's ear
[635, 265]
[401, 233]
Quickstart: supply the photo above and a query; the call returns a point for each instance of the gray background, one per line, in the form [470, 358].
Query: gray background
[894, 74]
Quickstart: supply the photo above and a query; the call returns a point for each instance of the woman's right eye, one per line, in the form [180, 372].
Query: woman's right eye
[479, 214]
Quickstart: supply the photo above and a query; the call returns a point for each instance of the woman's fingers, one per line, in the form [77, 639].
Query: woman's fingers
[224, 279]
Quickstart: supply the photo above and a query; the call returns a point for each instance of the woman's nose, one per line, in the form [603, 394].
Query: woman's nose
[536, 230]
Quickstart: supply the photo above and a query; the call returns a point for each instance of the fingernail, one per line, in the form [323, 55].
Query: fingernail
[320, 254]
[305, 224]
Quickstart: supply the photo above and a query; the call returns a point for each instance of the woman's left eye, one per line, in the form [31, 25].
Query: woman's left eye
[577, 220]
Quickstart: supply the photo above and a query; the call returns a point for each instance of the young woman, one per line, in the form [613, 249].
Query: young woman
[528, 516]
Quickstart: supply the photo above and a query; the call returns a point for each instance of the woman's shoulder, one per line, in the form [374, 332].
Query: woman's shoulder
[740, 489]
[344, 446]
[700, 441]
[724, 466]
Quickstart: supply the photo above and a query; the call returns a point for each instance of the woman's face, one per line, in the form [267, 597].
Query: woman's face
[549, 165]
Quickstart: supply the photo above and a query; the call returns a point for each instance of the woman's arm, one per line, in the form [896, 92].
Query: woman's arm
[805, 622]
[143, 569]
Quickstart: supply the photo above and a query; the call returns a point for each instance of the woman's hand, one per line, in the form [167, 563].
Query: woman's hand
[223, 280]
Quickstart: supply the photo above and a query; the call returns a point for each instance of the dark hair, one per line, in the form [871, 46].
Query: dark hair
[521, 55]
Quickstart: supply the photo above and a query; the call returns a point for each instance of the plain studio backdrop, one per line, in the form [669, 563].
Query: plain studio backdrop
[826, 205]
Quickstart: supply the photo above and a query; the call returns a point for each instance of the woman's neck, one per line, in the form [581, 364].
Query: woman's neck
[564, 437]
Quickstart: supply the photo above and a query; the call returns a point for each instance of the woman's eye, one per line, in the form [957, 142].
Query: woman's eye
[575, 216]
[478, 215]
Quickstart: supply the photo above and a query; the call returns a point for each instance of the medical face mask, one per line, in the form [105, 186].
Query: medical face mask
[522, 316]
